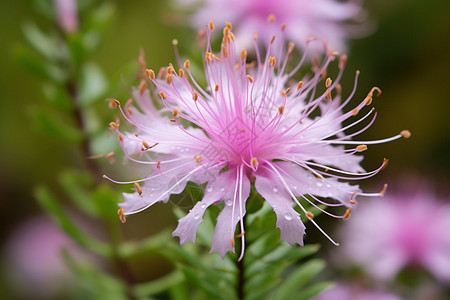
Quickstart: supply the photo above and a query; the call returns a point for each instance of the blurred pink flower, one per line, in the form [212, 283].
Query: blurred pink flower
[407, 228]
[252, 124]
[66, 12]
[33, 257]
[328, 20]
[354, 292]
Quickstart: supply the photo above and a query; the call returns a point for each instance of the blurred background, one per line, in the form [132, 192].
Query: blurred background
[407, 56]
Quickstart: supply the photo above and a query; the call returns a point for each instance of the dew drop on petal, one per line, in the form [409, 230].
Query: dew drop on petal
[328, 185]
[319, 184]
[196, 217]
[288, 216]
[222, 189]
[275, 189]
[209, 189]
[203, 206]
[228, 202]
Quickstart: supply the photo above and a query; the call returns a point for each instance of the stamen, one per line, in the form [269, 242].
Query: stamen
[209, 57]
[211, 26]
[383, 191]
[328, 82]
[150, 73]
[113, 125]
[175, 112]
[110, 157]
[240, 235]
[361, 148]
[243, 54]
[181, 73]
[283, 26]
[169, 78]
[142, 87]
[195, 96]
[232, 243]
[272, 40]
[406, 134]
[161, 73]
[291, 46]
[328, 95]
[163, 96]
[147, 146]
[271, 18]
[120, 138]
[229, 26]
[198, 158]
[250, 78]
[170, 70]
[138, 188]
[128, 104]
[342, 61]
[121, 212]
[299, 85]
[216, 88]
[254, 161]
[255, 36]
[347, 213]
[309, 215]
[187, 64]
[281, 109]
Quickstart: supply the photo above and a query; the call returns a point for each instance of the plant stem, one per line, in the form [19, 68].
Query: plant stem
[241, 270]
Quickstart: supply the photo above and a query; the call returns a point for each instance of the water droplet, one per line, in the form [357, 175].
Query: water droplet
[275, 189]
[295, 187]
[182, 150]
[222, 189]
[319, 184]
[328, 185]
[288, 216]
[228, 202]
[152, 189]
[187, 150]
[203, 206]
[209, 189]
[196, 217]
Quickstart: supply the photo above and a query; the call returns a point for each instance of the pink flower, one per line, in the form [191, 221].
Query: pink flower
[354, 292]
[66, 12]
[252, 124]
[328, 20]
[407, 228]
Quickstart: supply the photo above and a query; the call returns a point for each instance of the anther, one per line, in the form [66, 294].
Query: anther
[109, 157]
[347, 213]
[128, 106]
[232, 243]
[113, 125]
[328, 82]
[281, 109]
[175, 42]
[142, 87]
[338, 88]
[209, 57]
[385, 163]
[136, 134]
[195, 96]
[224, 52]
[250, 78]
[163, 96]
[383, 191]
[309, 215]
[169, 78]
[228, 25]
[352, 202]
[243, 54]
[342, 61]
[211, 25]
[291, 46]
[158, 164]
[255, 36]
[181, 73]
[254, 162]
[216, 88]
[187, 64]
[361, 148]
[172, 120]
[146, 145]
[198, 158]
[120, 138]
[272, 40]
[111, 103]
[334, 53]
[355, 112]
[170, 70]
[120, 212]
[406, 134]
[240, 234]
[283, 26]
[299, 85]
[150, 73]
[175, 112]
[161, 73]
[271, 18]
[138, 188]
[328, 95]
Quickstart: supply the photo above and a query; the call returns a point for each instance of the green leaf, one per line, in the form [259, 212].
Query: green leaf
[151, 244]
[51, 206]
[179, 292]
[44, 44]
[195, 191]
[106, 201]
[57, 96]
[98, 284]
[92, 84]
[290, 253]
[53, 125]
[312, 291]
[298, 278]
[159, 285]
[207, 284]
